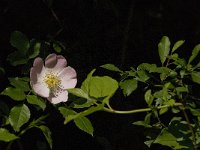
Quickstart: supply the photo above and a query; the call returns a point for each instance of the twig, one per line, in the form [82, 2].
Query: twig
[20, 145]
[139, 110]
[191, 129]
[58, 21]
[9, 146]
[126, 34]
[56, 17]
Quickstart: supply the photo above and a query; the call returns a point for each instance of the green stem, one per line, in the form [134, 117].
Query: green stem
[138, 110]
[191, 129]
[20, 145]
[9, 146]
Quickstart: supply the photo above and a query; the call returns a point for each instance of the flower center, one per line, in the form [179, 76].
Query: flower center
[52, 81]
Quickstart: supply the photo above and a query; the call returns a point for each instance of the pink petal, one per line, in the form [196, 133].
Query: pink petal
[61, 97]
[68, 84]
[36, 74]
[68, 78]
[51, 60]
[33, 76]
[38, 64]
[60, 65]
[67, 73]
[41, 89]
[61, 62]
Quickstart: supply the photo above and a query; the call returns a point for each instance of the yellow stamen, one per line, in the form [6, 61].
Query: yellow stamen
[52, 81]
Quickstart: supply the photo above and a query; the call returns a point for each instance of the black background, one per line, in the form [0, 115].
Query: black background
[96, 32]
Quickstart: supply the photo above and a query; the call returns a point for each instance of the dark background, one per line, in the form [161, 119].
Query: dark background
[96, 32]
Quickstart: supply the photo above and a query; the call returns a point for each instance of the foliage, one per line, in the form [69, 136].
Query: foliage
[168, 90]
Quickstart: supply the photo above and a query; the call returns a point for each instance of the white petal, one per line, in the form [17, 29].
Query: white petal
[41, 89]
[61, 97]
[67, 73]
[38, 64]
[33, 76]
[50, 61]
[61, 63]
[68, 84]
[36, 70]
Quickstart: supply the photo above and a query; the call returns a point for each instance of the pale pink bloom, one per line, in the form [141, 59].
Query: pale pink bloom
[52, 79]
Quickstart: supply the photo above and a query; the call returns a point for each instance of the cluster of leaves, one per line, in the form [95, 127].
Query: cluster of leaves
[169, 90]
[15, 115]
[95, 92]
[27, 49]
[19, 116]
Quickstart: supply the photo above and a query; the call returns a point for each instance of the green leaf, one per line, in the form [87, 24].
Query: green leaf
[102, 86]
[142, 123]
[182, 132]
[78, 92]
[162, 95]
[6, 136]
[146, 122]
[82, 103]
[34, 49]
[47, 133]
[164, 48]
[26, 79]
[180, 62]
[198, 65]
[58, 46]
[20, 41]
[14, 93]
[165, 72]
[177, 45]
[196, 77]
[174, 56]
[35, 100]
[111, 67]
[175, 110]
[149, 143]
[19, 83]
[146, 66]
[142, 76]
[86, 82]
[195, 52]
[38, 121]
[170, 102]
[84, 124]
[16, 58]
[81, 122]
[19, 115]
[66, 111]
[87, 101]
[182, 73]
[89, 111]
[181, 90]
[167, 139]
[127, 74]
[163, 110]
[195, 112]
[128, 86]
[147, 118]
[2, 70]
[148, 97]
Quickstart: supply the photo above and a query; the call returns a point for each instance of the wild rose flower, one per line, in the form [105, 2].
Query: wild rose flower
[52, 79]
